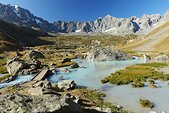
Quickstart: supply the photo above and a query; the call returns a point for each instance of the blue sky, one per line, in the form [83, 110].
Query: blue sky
[86, 10]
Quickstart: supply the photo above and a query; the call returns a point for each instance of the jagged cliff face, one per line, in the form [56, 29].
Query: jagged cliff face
[107, 24]
[22, 16]
[112, 25]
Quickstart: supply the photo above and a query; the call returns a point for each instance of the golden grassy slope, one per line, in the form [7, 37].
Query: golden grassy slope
[157, 41]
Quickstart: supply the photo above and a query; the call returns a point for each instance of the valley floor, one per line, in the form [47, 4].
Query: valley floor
[60, 56]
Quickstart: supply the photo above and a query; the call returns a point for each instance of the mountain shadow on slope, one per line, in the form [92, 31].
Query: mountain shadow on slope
[15, 36]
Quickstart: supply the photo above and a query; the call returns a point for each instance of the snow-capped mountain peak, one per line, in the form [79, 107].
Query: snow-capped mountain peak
[16, 7]
[108, 24]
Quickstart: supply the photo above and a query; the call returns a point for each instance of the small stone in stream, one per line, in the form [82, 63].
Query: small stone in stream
[83, 67]
[53, 70]
[153, 112]
[102, 110]
[119, 107]
[64, 70]
[74, 66]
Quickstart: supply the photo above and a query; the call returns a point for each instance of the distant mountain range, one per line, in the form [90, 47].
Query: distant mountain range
[107, 24]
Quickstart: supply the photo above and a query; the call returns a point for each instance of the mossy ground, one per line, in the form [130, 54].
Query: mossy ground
[137, 75]
[95, 98]
[146, 103]
[2, 65]
[5, 77]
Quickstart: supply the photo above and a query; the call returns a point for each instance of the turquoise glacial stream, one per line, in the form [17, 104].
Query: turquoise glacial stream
[124, 95]
[93, 72]
[19, 79]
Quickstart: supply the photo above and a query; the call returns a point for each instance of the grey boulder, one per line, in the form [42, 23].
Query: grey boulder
[15, 65]
[106, 54]
[66, 84]
[35, 54]
[76, 65]
[40, 88]
[16, 103]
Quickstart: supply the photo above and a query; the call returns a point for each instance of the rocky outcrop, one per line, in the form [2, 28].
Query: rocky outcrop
[40, 88]
[66, 84]
[35, 55]
[17, 103]
[20, 67]
[44, 97]
[106, 54]
[15, 65]
[13, 103]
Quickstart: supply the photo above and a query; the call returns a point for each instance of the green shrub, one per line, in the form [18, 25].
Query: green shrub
[137, 75]
[146, 103]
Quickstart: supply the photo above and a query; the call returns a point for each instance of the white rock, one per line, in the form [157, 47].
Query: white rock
[153, 112]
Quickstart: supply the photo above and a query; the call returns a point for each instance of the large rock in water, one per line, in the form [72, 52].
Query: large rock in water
[66, 84]
[14, 66]
[106, 54]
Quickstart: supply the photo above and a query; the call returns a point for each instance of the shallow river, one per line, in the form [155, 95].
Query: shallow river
[125, 95]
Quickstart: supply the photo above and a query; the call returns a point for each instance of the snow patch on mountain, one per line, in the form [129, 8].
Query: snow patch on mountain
[78, 31]
[17, 13]
[38, 21]
[16, 7]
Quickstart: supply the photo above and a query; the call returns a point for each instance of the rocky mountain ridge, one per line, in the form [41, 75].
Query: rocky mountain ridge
[107, 24]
